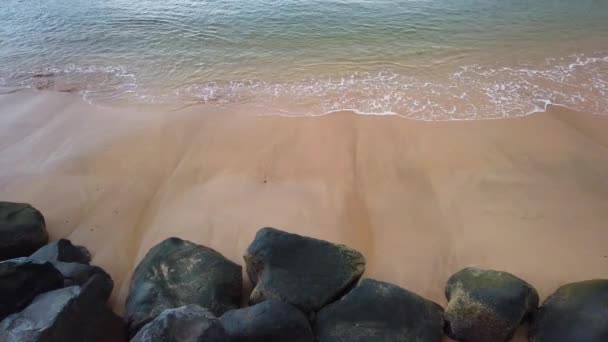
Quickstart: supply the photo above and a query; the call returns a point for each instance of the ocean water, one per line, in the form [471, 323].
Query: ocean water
[422, 59]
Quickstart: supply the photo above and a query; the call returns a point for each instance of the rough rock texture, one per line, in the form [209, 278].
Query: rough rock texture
[576, 312]
[189, 323]
[22, 230]
[68, 314]
[79, 274]
[175, 273]
[487, 305]
[63, 250]
[302, 271]
[269, 321]
[21, 280]
[382, 312]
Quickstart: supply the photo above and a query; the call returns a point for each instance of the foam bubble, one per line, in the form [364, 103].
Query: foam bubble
[469, 92]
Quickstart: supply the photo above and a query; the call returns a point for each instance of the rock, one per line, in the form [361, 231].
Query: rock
[79, 274]
[302, 271]
[189, 323]
[73, 263]
[576, 312]
[68, 314]
[21, 280]
[269, 321]
[63, 250]
[487, 305]
[379, 311]
[22, 230]
[175, 273]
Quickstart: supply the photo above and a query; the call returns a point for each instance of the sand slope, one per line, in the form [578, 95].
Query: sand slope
[420, 199]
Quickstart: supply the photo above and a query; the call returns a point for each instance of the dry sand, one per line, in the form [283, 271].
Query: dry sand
[421, 200]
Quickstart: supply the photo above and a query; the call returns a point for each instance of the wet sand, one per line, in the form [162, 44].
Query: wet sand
[421, 200]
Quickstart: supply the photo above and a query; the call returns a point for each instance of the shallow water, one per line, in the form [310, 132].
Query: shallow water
[424, 59]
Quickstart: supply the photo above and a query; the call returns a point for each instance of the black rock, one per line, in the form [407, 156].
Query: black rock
[68, 314]
[376, 311]
[73, 263]
[487, 305]
[189, 323]
[576, 312]
[63, 250]
[22, 230]
[269, 321]
[22, 279]
[175, 273]
[79, 274]
[302, 271]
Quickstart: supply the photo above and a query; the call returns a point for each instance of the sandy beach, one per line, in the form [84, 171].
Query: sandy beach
[420, 200]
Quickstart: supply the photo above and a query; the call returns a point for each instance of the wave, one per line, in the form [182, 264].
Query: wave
[467, 93]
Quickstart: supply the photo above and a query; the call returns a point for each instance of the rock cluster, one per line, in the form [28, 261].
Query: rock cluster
[49, 292]
[304, 290]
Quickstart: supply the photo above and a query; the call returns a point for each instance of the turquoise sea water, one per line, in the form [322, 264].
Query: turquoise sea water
[425, 59]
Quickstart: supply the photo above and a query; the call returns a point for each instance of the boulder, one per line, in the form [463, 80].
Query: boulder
[22, 279]
[269, 321]
[577, 312]
[175, 273]
[63, 250]
[189, 323]
[376, 311]
[68, 314]
[79, 274]
[486, 305]
[73, 263]
[302, 271]
[22, 230]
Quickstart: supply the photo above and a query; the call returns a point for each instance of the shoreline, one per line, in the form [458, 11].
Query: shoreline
[420, 199]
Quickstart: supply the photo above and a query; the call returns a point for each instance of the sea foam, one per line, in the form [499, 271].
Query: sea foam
[468, 92]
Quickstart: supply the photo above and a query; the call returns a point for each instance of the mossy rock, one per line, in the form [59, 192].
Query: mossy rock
[486, 305]
[175, 273]
[22, 230]
[302, 271]
[376, 311]
[576, 312]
